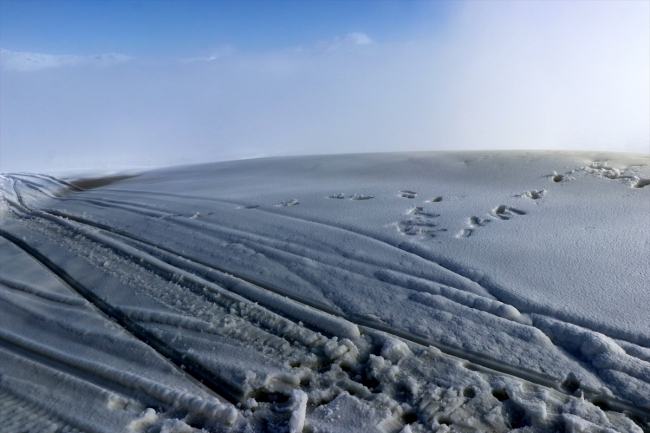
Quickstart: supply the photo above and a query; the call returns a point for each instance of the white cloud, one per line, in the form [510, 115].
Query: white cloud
[348, 41]
[23, 61]
[218, 53]
[358, 38]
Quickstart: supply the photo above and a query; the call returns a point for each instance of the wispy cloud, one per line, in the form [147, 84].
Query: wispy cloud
[350, 40]
[221, 52]
[358, 38]
[23, 61]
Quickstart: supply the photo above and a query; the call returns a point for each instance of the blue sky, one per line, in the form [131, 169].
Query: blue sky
[104, 85]
[182, 28]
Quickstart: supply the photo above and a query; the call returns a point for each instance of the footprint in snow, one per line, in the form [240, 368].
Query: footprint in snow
[418, 226]
[352, 197]
[420, 223]
[602, 169]
[248, 206]
[291, 202]
[555, 177]
[199, 215]
[361, 197]
[642, 183]
[408, 194]
[434, 199]
[534, 194]
[419, 210]
[475, 221]
[504, 212]
[501, 212]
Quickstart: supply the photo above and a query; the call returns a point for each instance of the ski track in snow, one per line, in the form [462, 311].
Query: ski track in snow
[167, 312]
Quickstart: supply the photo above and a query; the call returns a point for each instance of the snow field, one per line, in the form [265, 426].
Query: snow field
[215, 309]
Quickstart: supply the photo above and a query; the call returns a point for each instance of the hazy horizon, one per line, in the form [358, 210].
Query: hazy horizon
[103, 85]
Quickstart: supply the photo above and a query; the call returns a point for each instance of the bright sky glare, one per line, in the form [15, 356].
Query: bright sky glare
[105, 84]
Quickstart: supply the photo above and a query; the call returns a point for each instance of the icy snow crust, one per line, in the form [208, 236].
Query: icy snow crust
[412, 292]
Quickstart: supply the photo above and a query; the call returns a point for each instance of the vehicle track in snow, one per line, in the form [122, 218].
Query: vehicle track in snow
[476, 361]
[369, 237]
[463, 276]
[197, 371]
[22, 416]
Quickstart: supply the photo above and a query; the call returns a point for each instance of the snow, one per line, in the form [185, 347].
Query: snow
[413, 292]
[297, 420]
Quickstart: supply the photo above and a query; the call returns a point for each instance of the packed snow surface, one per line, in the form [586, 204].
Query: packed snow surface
[405, 292]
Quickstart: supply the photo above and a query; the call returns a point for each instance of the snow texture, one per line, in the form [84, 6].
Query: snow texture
[406, 292]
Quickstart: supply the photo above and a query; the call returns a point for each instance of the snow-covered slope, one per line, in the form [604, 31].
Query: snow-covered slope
[467, 291]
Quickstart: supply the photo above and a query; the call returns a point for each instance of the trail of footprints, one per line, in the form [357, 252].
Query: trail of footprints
[421, 222]
[501, 212]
